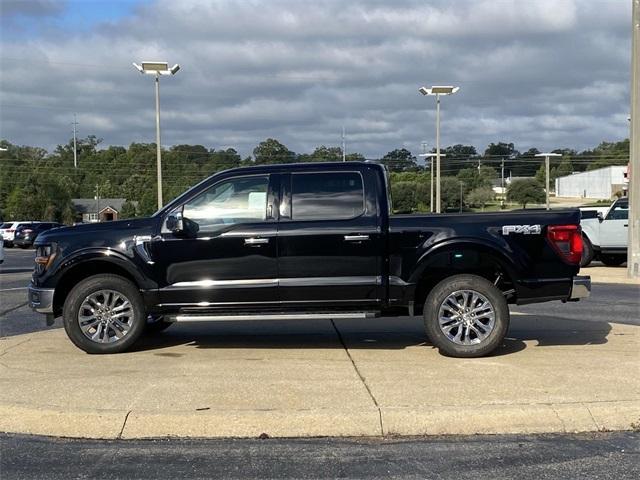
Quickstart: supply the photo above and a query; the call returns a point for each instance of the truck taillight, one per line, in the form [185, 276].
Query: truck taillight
[567, 241]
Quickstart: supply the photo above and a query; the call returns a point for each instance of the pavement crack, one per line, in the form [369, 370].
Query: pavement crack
[359, 373]
[4, 352]
[126, 417]
[564, 426]
[592, 417]
[8, 310]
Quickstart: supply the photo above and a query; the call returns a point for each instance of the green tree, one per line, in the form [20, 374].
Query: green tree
[450, 193]
[479, 197]
[501, 149]
[403, 197]
[272, 151]
[399, 160]
[525, 191]
[128, 210]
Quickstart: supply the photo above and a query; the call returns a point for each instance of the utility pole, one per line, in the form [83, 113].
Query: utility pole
[502, 183]
[460, 197]
[546, 166]
[75, 148]
[633, 259]
[344, 146]
[438, 153]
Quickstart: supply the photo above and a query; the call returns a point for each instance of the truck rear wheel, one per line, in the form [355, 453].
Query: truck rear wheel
[466, 316]
[104, 314]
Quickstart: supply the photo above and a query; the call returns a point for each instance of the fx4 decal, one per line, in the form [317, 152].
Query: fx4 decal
[524, 229]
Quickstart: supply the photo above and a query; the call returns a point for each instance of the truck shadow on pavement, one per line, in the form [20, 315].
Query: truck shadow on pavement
[525, 329]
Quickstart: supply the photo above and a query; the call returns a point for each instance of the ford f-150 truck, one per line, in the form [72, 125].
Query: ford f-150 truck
[304, 241]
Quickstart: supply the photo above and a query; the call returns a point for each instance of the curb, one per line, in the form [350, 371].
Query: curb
[445, 420]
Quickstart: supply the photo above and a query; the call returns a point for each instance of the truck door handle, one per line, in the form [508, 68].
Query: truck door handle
[355, 238]
[255, 241]
[626, 224]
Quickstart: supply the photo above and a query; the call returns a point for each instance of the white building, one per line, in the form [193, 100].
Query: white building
[602, 183]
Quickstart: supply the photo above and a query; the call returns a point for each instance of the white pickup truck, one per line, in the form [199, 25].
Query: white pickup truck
[605, 237]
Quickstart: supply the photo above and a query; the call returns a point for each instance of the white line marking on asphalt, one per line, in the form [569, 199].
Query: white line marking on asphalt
[9, 289]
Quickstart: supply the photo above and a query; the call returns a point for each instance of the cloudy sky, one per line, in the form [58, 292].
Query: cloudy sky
[544, 73]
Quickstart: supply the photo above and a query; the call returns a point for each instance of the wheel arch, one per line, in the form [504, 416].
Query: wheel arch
[85, 268]
[457, 258]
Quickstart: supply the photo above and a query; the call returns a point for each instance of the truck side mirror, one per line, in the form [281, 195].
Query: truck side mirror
[174, 222]
[600, 217]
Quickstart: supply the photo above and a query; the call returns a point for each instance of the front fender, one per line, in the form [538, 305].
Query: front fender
[113, 257]
[591, 229]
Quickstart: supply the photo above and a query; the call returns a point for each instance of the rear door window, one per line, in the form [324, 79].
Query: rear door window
[326, 196]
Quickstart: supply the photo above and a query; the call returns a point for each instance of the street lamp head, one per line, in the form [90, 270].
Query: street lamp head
[157, 68]
[438, 90]
[548, 154]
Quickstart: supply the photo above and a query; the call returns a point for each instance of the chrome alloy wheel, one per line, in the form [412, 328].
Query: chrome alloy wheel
[466, 317]
[105, 316]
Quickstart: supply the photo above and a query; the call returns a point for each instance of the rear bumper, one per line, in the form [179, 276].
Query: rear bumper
[21, 242]
[41, 299]
[581, 287]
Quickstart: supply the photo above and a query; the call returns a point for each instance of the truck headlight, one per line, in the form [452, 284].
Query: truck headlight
[45, 254]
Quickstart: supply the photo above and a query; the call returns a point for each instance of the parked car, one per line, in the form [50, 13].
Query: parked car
[606, 237]
[8, 231]
[26, 233]
[304, 241]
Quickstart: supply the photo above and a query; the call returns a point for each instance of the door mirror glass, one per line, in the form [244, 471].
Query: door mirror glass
[600, 217]
[174, 222]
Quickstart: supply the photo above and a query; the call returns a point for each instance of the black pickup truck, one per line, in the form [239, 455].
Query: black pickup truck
[304, 241]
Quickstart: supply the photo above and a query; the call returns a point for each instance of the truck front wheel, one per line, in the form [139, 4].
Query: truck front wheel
[466, 316]
[104, 314]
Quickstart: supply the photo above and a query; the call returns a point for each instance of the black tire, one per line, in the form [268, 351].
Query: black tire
[8, 245]
[95, 284]
[156, 324]
[613, 260]
[587, 252]
[494, 336]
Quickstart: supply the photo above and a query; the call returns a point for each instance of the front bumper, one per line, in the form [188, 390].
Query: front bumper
[581, 287]
[41, 299]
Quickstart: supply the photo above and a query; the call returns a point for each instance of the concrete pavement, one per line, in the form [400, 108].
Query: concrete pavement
[323, 378]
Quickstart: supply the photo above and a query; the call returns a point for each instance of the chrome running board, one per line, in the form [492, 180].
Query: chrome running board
[183, 317]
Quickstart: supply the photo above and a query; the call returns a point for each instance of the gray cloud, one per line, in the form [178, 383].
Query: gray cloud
[540, 73]
[31, 8]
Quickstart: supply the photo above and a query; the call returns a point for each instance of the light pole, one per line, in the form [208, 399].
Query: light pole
[75, 147]
[430, 156]
[438, 90]
[633, 256]
[546, 166]
[157, 69]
